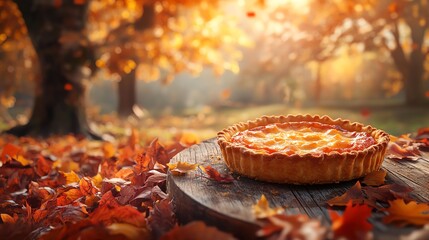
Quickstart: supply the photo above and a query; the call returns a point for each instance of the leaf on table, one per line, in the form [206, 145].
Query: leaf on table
[215, 175]
[353, 224]
[375, 178]
[387, 192]
[292, 227]
[9, 151]
[262, 208]
[181, 168]
[403, 148]
[354, 194]
[188, 138]
[420, 234]
[402, 214]
[196, 230]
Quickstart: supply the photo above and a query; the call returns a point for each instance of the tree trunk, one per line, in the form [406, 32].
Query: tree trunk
[127, 94]
[413, 80]
[59, 106]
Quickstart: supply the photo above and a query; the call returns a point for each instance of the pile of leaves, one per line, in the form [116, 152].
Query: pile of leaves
[70, 188]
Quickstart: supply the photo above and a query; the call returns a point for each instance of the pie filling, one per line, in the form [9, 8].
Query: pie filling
[302, 138]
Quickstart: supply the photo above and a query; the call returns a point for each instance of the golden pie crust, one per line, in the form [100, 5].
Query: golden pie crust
[303, 165]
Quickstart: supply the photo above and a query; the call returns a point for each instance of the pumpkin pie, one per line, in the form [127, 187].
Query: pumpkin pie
[302, 149]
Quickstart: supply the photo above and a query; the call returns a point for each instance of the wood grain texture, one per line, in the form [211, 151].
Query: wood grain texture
[228, 206]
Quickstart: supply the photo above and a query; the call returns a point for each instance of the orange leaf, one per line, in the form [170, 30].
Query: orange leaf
[402, 213]
[119, 214]
[189, 138]
[43, 166]
[79, 2]
[196, 230]
[108, 150]
[9, 151]
[262, 208]
[216, 175]
[134, 138]
[125, 173]
[353, 224]
[251, 14]
[87, 187]
[70, 177]
[6, 218]
[181, 168]
[375, 178]
[354, 194]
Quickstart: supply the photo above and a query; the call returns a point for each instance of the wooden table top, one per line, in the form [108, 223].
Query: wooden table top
[229, 206]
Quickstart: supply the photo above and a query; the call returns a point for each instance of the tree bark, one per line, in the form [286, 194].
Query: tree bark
[127, 94]
[59, 106]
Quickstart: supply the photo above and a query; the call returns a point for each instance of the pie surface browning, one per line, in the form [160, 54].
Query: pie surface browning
[302, 149]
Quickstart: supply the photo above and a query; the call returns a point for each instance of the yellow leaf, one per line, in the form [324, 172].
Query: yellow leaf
[262, 209]
[71, 177]
[403, 213]
[181, 168]
[108, 150]
[23, 160]
[97, 180]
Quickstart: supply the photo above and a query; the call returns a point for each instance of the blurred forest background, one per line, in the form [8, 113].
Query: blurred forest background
[168, 66]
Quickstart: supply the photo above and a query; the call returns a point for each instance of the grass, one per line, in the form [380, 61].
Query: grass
[207, 122]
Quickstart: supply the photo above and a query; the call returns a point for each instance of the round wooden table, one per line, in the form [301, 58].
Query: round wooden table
[229, 206]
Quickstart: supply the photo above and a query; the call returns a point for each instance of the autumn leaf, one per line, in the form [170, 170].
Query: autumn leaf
[375, 178]
[162, 218]
[292, 227]
[402, 214]
[70, 177]
[403, 148]
[353, 224]
[9, 151]
[181, 168]
[6, 218]
[87, 187]
[262, 208]
[387, 192]
[108, 150]
[119, 214]
[196, 230]
[354, 194]
[216, 176]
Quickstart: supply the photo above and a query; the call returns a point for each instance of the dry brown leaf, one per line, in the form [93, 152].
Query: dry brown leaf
[354, 194]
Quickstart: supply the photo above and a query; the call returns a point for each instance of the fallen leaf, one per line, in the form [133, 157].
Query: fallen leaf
[161, 218]
[353, 224]
[403, 148]
[108, 214]
[354, 194]
[262, 209]
[131, 232]
[9, 151]
[292, 227]
[375, 178]
[402, 214]
[387, 192]
[196, 230]
[181, 168]
[6, 218]
[108, 150]
[71, 177]
[216, 176]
